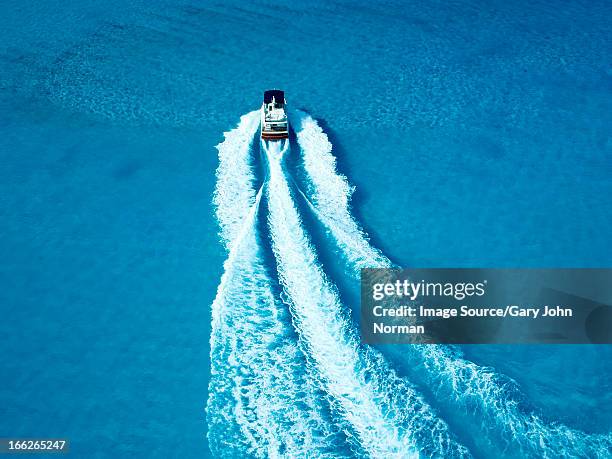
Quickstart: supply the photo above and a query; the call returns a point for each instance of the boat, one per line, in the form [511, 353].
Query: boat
[274, 124]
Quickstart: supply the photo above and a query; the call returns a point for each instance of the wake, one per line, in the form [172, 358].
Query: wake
[289, 377]
[262, 402]
[493, 399]
[386, 415]
[234, 193]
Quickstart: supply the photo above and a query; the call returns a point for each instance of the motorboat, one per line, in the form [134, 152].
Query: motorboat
[274, 124]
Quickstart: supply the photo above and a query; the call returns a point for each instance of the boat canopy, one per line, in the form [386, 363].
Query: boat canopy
[277, 94]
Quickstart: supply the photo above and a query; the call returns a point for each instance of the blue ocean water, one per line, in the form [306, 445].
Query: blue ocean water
[476, 134]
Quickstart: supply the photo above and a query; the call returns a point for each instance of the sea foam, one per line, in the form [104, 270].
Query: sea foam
[263, 399]
[234, 193]
[385, 413]
[473, 388]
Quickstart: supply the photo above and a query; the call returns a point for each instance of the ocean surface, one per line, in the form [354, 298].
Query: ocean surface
[172, 287]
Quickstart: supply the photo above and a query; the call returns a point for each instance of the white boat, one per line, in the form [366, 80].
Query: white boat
[274, 124]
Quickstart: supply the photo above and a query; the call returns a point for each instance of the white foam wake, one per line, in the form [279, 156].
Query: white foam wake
[387, 416]
[472, 387]
[263, 401]
[330, 193]
[482, 390]
[259, 382]
[234, 192]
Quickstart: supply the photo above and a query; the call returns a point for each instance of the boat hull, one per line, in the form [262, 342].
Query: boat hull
[274, 126]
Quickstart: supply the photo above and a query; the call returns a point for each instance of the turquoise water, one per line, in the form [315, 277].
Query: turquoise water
[476, 134]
